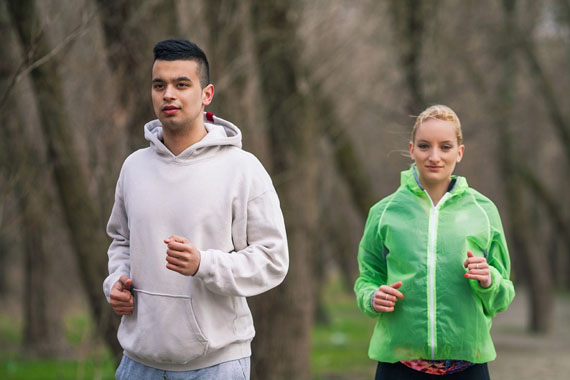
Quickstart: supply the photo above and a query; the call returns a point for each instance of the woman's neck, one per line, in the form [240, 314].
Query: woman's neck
[436, 191]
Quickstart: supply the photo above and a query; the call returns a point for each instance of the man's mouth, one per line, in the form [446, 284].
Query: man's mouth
[170, 110]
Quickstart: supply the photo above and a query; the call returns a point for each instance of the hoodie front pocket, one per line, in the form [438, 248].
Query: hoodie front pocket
[162, 329]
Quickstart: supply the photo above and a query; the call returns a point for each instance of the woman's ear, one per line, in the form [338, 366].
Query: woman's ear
[460, 152]
[411, 149]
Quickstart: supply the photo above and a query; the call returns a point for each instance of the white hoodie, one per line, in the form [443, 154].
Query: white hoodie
[223, 201]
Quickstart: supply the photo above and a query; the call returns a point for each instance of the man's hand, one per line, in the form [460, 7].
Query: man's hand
[122, 300]
[182, 256]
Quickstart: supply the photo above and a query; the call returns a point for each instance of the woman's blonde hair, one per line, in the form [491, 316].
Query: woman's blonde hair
[439, 112]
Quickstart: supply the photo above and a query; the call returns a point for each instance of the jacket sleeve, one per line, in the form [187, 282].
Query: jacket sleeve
[500, 294]
[119, 250]
[262, 264]
[371, 263]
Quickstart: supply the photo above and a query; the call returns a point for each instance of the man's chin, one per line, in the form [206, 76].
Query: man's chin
[171, 124]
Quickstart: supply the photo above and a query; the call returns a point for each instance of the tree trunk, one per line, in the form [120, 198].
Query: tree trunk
[536, 271]
[408, 19]
[128, 44]
[235, 72]
[41, 323]
[3, 263]
[546, 90]
[40, 326]
[284, 315]
[85, 224]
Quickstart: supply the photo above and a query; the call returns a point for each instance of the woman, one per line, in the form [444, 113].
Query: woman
[434, 265]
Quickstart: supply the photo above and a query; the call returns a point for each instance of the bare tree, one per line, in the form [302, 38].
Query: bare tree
[129, 41]
[235, 71]
[536, 272]
[41, 323]
[82, 218]
[283, 353]
[408, 17]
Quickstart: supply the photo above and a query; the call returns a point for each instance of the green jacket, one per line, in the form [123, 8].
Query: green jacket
[443, 315]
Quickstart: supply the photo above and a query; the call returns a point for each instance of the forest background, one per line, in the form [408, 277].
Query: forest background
[325, 92]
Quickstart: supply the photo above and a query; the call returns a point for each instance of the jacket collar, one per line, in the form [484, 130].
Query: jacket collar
[410, 179]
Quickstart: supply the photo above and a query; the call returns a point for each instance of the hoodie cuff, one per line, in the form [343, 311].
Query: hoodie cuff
[109, 282]
[205, 267]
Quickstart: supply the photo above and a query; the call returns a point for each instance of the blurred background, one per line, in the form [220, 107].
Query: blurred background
[325, 92]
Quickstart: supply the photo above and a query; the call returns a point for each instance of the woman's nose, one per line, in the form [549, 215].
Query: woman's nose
[434, 155]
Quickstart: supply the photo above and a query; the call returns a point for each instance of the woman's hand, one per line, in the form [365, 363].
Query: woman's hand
[384, 299]
[478, 269]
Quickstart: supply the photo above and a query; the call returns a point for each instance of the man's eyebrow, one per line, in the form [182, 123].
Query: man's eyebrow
[178, 79]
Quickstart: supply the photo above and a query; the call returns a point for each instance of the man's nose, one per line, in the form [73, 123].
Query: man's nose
[169, 93]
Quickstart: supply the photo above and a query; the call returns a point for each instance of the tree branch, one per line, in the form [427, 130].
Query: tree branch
[549, 202]
[544, 85]
[28, 63]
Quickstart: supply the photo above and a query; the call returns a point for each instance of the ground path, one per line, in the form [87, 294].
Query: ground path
[524, 356]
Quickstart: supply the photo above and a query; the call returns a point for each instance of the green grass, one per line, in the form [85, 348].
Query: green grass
[339, 348]
[10, 331]
[94, 363]
[16, 368]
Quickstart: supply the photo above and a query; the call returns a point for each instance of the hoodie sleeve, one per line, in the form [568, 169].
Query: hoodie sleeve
[500, 294]
[119, 250]
[262, 264]
[371, 262]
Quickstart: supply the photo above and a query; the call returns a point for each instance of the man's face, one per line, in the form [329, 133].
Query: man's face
[177, 97]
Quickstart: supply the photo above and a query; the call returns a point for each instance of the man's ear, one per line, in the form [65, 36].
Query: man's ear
[207, 94]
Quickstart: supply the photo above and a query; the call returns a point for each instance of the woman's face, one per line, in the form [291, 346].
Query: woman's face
[436, 151]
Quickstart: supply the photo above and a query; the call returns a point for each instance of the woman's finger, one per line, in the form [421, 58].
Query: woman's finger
[478, 266]
[378, 306]
[391, 291]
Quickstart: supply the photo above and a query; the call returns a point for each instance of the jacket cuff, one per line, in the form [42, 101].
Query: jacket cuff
[495, 281]
[371, 308]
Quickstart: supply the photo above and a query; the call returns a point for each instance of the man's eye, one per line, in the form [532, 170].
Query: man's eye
[158, 86]
[183, 85]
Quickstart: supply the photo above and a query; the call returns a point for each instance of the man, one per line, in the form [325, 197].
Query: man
[196, 228]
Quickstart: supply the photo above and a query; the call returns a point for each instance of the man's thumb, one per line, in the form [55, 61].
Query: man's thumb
[126, 281]
[128, 284]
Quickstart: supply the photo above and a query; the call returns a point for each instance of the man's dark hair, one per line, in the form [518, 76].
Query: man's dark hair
[173, 50]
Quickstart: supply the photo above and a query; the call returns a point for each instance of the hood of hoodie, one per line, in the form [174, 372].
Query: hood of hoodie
[220, 133]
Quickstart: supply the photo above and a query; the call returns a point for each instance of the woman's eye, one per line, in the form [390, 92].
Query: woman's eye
[423, 146]
[446, 147]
